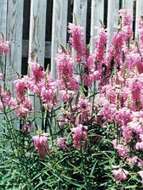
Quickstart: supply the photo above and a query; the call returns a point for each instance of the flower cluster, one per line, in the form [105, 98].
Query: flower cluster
[4, 47]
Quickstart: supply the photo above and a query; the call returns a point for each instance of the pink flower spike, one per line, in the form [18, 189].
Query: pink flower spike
[77, 41]
[120, 174]
[4, 47]
[37, 73]
[61, 143]
[1, 76]
[41, 145]
[79, 135]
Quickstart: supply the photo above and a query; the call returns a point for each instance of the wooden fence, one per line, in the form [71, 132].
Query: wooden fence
[11, 26]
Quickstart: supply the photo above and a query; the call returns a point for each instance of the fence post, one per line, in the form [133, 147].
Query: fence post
[112, 22]
[139, 12]
[59, 30]
[37, 30]
[97, 16]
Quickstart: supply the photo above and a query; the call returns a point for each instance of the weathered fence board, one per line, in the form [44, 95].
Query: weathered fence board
[14, 35]
[80, 13]
[3, 19]
[128, 4]
[59, 30]
[112, 23]
[139, 12]
[97, 17]
[37, 30]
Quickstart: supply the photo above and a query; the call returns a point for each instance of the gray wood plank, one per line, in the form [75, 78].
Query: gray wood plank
[139, 12]
[59, 30]
[97, 16]
[128, 4]
[3, 19]
[14, 35]
[80, 13]
[37, 30]
[112, 19]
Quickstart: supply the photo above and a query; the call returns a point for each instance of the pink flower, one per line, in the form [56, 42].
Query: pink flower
[132, 160]
[77, 41]
[139, 146]
[121, 149]
[24, 108]
[21, 87]
[4, 47]
[100, 45]
[140, 163]
[79, 135]
[140, 29]
[91, 63]
[61, 143]
[141, 175]
[36, 72]
[108, 112]
[134, 59]
[123, 116]
[73, 84]
[136, 89]
[41, 145]
[120, 174]
[126, 22]
[127, 134]
[87, 79]
[84, 105]
[66, 95]
[48, 95]
[65, 66]
[26, 128]
[1, 76]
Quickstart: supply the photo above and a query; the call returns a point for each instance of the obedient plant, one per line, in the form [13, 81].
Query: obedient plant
[95, 97]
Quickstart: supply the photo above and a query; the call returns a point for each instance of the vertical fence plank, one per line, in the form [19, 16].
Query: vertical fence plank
[59, 30]
[128, 4]
[97, 16]
[139, 12]
[14, 35]
[80, 13]
[37, 30]
[3, 19]
[112, 22]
